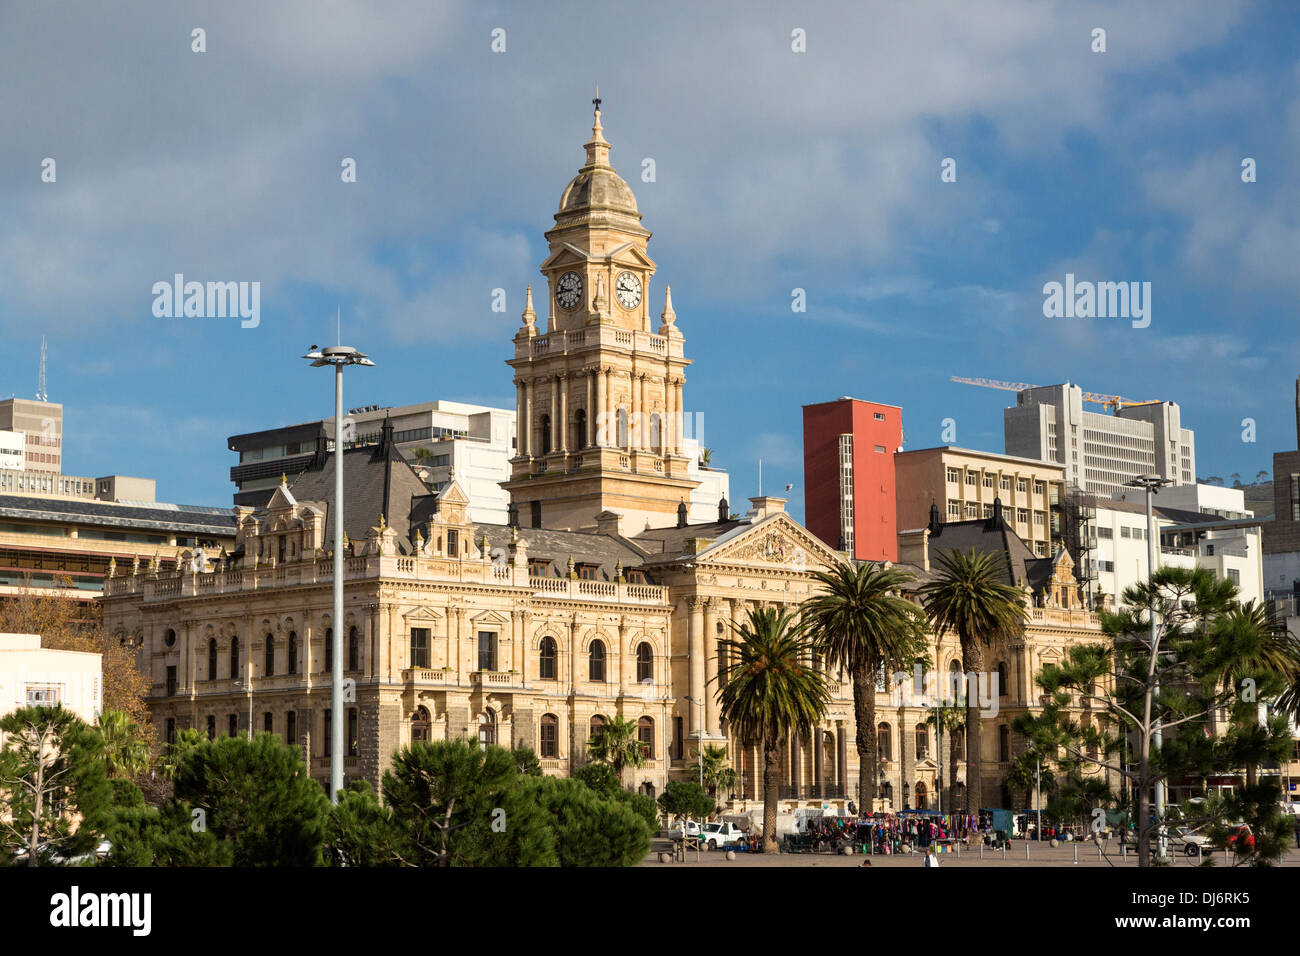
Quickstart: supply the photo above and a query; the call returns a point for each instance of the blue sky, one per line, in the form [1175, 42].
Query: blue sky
[775, 170]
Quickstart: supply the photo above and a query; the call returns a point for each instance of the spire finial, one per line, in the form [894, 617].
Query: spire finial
[596, 101]
[530, 315]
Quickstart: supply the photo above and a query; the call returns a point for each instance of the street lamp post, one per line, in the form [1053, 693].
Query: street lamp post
[337, 356]
[1153, 484]
[248, 687]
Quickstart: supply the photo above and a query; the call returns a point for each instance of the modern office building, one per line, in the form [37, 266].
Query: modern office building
[33, 676]
[964, 483]
[1282, 534]
[848, 476]
[41, 425]
[1100, 452]
[473, 443]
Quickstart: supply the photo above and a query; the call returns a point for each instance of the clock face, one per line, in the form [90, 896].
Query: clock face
[568, 291]
[629, 290]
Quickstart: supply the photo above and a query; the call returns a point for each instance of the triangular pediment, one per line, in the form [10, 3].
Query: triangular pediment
[566, 254]
[775, 541]
[423, 613]
[453, 494]
[490, 617]
[630, 254]
[281, 500]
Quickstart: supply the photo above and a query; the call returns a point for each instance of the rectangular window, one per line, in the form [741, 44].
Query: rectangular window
[1039, 519]
[880, 449]
[878, 416]
[1108, 533]
[419, 647]
[291, 728]
[972, 509]
[954, 476]
[212, 726]
[988, 480]
[536, 513]
[954, 509]
[1039, 487]
[232, 722]
[327, 738]
[453, 544]
[43, 695]
[587, 572]
[1234, 575]
[1022, 484]
[972, 478]
[538, 567]
[1295, 497]
[487, 650]
[1006, 483]
[1022, 515]
[988, 511]
[1125, 532]
[171, 680]
[353, 728]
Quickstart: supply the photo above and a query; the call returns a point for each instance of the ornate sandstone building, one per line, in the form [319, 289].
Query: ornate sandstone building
[598, 598]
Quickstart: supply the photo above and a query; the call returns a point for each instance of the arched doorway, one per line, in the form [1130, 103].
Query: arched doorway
[487, 728]
[420, 726]
[922, 796]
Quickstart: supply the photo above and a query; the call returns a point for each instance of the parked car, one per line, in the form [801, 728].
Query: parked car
[678, 830]
[717, 835]
[1189, 840]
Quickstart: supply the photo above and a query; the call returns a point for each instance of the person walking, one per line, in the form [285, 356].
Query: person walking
[931, 858]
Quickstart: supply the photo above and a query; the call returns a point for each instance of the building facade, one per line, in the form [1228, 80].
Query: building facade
[32, 676]
[965, 483]
[598, 596]
[1100, 452]
[848, 469]
[41, 425]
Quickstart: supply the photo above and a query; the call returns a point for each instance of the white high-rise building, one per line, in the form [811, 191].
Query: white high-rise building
[1100, 452]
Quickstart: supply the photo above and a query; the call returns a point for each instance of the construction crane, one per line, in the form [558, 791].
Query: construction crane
[1113, 402]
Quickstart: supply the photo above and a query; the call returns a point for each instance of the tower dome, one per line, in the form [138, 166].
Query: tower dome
[598, 192]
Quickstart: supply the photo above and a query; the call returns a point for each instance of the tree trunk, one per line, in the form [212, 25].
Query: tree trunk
[771, 791]
[972, 660]
[953, 750]
[864, 715]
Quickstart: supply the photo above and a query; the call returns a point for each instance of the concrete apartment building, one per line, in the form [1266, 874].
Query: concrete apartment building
[1100, 452]
[33, 676]
[1282, 534]
[473, 443]
[41, 427]
[848, 473]
[963, 483]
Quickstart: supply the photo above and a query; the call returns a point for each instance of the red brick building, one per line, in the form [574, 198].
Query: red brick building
[848, 469]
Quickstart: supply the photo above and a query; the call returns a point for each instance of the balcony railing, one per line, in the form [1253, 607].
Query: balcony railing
[170, 585]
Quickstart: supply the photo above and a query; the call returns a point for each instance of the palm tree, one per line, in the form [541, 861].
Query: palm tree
[862, 625]
[718, 773]
[951, 720]
[771, 689]
[1249, 642]
[617, 744]
[970, 598]
[119, 744]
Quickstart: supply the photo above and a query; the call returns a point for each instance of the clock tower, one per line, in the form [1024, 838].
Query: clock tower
[599, 392]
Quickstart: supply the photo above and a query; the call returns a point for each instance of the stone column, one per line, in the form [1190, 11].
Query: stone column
[677, 401]
[695, 606]
[796, 764]
[524, 427]
[669, 427]
[520, 415]
[643, 432]
[561, 383]
[622, 656]
[555, 411]
[711, 688]
[601, 388]
[589, 409]
[906, 761]
[842, 756]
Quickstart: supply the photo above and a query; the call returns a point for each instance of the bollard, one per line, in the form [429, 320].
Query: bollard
[981, 849]
[1076, 853]
[1004, 850]
[1026, 849]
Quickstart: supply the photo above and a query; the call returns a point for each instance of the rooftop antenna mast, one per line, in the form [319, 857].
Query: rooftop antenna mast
[41, 394]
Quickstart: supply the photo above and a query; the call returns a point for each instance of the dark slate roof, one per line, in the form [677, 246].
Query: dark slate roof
[376, 481]
[556, 547]
[993, 536]
[193, 519]
[665, 544]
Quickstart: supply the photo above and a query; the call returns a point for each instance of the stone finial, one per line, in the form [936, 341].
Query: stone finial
[284, 478]
[668, 315]
[135, 565]
[618, 570]
[573, 573]
[530, 314]
[383, 524]
[112, 567]
[484, 547]
[419, 542]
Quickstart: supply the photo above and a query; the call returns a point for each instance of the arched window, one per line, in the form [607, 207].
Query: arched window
[645, 663]
[268, 659]
[354, 650]
[293, 652]
[596, 668]
[957, 738]
[645, 732]
[487, 728]
[546, 434]
[579, 430]
[922, 745]
[922, 796]
[548, 742]
[420, 726]
[1003, 685]
[620, 419]
[212, 659]
[655, 428]
[955, 691]
[234, 658]
[170, 639]
[329, 649]
[597, 725]
[547, 659]
[1004, 743]
[887, 793]
[884, 742]
[282, 540]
